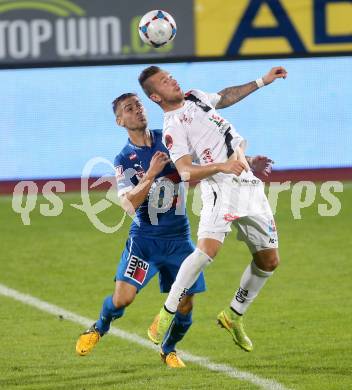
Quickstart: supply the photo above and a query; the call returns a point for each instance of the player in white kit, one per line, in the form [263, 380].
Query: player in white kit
[206, 147]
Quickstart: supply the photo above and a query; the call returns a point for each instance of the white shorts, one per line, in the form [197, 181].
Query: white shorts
[240, 201]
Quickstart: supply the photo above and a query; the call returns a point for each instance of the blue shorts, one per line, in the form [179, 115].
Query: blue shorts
[142, 258]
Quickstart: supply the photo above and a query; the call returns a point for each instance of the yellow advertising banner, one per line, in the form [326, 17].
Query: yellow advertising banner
[260, 27]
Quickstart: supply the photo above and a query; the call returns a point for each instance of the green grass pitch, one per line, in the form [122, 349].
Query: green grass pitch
[300, 324]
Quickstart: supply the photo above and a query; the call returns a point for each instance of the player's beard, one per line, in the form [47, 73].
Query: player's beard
[141, 128]
[176, 99]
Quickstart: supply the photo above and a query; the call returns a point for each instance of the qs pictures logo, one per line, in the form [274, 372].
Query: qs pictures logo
[55, 29]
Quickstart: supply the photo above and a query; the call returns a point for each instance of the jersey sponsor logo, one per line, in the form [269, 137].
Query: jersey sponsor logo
[132, 156]
[221, 124]
[119, 173]
[168, 141]
[137, 269]
[230, 217]
[207, 156]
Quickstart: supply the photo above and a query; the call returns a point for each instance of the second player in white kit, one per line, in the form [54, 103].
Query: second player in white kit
[204, 146]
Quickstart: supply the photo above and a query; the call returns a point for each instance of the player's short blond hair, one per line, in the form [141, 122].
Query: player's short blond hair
[145, 75]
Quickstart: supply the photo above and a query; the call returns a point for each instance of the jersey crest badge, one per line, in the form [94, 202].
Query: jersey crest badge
[168, 141]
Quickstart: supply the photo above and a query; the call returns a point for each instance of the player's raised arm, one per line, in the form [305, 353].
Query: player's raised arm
[232, 95]
[191, 172]
[131, 200]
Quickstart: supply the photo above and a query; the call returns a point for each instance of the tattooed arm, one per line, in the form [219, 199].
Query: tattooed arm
[232, 95]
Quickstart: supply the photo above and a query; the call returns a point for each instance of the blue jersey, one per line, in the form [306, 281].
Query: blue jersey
[162, 215]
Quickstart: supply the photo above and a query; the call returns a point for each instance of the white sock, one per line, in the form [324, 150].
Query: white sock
[252, 281]
[188, 273]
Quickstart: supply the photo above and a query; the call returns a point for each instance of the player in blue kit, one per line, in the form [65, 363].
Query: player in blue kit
[159, 238]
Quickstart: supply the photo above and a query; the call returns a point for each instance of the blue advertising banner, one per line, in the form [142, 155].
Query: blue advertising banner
[52, 121]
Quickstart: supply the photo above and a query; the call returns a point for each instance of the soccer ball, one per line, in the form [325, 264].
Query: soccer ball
[157, 28]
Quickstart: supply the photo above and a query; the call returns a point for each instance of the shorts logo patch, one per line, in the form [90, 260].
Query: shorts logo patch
[137, 269]
[230, 217]
[169, 141]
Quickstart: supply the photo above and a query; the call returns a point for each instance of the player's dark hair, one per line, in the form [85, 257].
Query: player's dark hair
[144, 76]
[121, 98]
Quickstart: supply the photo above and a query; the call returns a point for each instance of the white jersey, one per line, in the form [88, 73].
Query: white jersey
[197, 129]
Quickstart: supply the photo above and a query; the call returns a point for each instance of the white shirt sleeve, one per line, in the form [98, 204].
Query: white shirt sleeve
[176, 141]
[213, 98]
[207, 97]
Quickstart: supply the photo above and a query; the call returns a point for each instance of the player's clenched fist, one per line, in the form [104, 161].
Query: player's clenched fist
[278, 72]
[233, 166]
[157, 163]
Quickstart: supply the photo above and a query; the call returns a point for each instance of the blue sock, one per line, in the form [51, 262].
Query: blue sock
[108, 313]
[178, 328]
